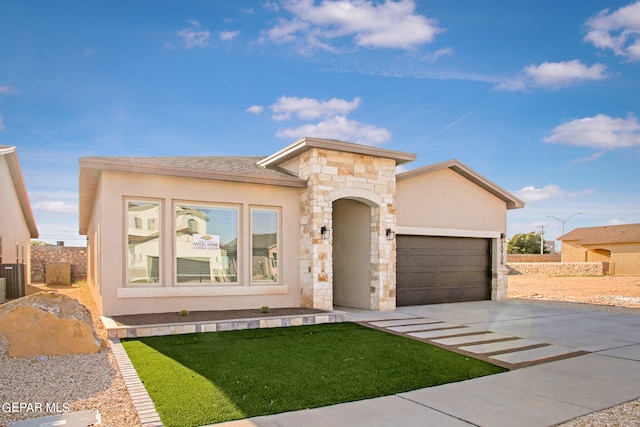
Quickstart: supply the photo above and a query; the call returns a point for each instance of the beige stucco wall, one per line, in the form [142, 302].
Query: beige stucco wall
[117, 297]
[13, 227]
[572, 252]
[351, 253]
[624, 259]
[446, 200]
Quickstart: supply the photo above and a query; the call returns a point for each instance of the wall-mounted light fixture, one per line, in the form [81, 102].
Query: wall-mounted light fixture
[325, 232]
[390, 234]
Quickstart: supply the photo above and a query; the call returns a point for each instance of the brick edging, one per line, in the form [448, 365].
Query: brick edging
[141, 400]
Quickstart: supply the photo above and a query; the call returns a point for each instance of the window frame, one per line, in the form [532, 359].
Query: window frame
[278, 211]
[159, 229]
[238, 208]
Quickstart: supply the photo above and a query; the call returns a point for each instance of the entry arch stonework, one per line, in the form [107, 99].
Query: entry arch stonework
[332, 175]
[367, 197]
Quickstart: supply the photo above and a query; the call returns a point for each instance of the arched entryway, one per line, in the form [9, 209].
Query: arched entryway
[351, 253]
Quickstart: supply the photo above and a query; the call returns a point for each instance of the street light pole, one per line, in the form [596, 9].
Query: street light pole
[564, 220]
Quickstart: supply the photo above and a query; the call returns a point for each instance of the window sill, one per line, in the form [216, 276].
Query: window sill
[201, 291]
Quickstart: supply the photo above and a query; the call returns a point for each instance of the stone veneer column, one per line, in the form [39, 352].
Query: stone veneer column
[499, 275]
[326, 172]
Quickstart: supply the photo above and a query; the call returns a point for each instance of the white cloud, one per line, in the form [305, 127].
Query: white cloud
[532, 194]
[558, 74]
[60, 194]
[333, 124]
[594, 156]
[192, 37]
[618, 31]
[391, 24]
[229, 35]
[436, 54]
[555, 75]
[255, 109]
[56, 207]
[341, 128]
[309, 108]
[601, 131]
[2, 127]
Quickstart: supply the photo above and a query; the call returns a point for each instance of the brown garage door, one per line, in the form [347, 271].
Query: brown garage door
[432, 270]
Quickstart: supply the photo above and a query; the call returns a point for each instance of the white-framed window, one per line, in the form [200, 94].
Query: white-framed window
[143, 245]
[265, 241]
[206, 243]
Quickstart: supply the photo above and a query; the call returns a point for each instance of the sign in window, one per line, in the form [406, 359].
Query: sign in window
[206, 244]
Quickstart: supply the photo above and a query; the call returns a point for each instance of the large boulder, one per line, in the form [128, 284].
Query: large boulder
[58, 273]
[46, 324]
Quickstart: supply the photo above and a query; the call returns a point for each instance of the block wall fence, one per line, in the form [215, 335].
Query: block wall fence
[42, 255]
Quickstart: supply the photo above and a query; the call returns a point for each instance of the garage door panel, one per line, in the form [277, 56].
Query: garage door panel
[442, 269]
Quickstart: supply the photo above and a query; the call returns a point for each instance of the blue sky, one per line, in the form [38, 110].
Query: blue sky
[541, 97]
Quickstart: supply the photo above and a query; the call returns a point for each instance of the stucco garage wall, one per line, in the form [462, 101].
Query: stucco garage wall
[446, 200]
[120, 298]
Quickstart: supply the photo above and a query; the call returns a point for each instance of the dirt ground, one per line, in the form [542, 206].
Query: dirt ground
[619, 291]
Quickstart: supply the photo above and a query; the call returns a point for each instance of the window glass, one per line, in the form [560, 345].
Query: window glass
[143, 243]
[206, 244]
[264, 245]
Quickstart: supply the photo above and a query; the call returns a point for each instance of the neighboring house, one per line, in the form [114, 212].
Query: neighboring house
[619, 245]
[320, 223]
[17, 224]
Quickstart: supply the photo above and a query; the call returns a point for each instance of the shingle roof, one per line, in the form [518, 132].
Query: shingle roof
[628, 233]
[240, 166]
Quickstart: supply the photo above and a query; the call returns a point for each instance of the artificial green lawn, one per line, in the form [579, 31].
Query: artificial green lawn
[199, 379]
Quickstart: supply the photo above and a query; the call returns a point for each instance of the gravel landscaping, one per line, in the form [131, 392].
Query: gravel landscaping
[82, 382]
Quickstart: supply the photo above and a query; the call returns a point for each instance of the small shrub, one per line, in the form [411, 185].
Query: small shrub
[184, 312]
[265, 309]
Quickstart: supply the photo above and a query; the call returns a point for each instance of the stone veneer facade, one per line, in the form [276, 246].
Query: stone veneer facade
[332, 175]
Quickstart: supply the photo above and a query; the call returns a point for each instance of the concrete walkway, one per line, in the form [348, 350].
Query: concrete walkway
[549, 393]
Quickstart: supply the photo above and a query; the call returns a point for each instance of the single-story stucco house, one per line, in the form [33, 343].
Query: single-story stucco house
[320, 223]
[17, 224]
[619, 245]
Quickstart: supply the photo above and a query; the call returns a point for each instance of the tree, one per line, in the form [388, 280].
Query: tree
[525, 243]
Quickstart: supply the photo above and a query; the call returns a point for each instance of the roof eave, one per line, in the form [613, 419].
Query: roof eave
[13, 164]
